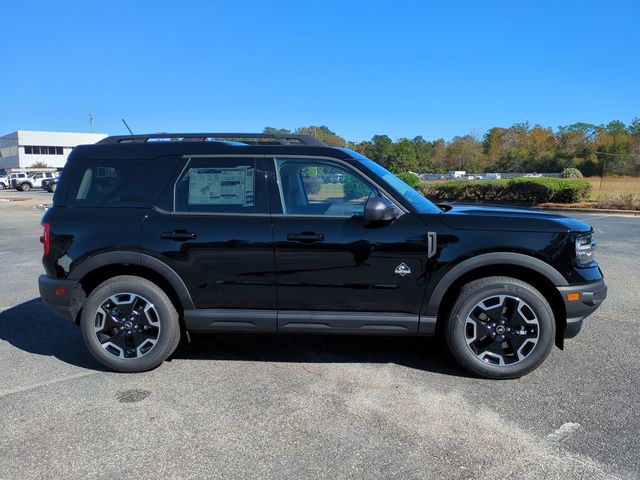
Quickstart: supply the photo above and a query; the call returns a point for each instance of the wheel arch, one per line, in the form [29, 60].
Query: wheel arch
[537, 273]
[94, 271]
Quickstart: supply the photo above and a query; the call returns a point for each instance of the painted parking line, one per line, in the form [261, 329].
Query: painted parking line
[4, 393]
[565, 430]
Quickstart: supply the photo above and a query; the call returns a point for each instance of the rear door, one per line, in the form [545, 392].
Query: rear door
[214, 231]
[337, 272]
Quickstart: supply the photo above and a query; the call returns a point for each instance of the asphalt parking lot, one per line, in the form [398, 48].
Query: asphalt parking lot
[234, 406]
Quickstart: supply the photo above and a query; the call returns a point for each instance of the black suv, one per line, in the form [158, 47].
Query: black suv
[150, 237]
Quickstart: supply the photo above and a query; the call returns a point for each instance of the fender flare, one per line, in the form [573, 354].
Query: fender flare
[487, 259]
[139, 259]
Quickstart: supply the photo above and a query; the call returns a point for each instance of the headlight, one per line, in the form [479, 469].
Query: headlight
[585, 250]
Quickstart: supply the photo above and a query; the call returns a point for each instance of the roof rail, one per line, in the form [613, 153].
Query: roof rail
[247, 138]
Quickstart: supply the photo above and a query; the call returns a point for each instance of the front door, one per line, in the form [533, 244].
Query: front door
[218, 239]
[336, 272]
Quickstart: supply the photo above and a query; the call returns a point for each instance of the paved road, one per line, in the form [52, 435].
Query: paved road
[314, 406]
[14, 194]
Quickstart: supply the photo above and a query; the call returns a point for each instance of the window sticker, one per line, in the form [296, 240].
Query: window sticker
[221, 186]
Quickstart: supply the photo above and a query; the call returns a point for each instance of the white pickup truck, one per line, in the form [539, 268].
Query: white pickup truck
[25, 183]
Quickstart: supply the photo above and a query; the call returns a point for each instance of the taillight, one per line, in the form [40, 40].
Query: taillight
[45, 239]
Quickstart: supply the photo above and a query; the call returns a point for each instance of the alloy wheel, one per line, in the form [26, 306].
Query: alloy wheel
[502, 330]
[127, 325]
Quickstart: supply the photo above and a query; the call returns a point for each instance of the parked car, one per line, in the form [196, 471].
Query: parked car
[34, 180]
[16, 177]
[50, 184]
[149, 240]
[4, 182]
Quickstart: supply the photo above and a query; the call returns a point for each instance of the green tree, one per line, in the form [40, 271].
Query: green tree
[323, 133]
[381, 149]
[423, 154]
[464, 153]
[272, 130]
[402, 157]
[439, 155]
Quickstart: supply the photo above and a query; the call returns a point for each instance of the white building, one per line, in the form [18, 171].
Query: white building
[23, 148]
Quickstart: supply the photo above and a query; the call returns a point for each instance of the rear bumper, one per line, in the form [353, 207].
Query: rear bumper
[591, 295]
[64, 297]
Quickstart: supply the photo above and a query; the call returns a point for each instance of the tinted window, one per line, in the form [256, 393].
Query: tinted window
[320, 187]
[419, 202]
[221, 185]
[118, 183]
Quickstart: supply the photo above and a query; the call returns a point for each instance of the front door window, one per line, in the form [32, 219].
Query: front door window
[319, 187]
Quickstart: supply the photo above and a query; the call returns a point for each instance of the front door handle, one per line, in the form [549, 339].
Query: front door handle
[305, 237]
[179, 235]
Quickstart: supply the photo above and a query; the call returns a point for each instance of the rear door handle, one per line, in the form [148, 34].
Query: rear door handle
[305, 237]
[180, 235]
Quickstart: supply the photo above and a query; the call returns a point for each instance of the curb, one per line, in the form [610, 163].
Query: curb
[609, 211]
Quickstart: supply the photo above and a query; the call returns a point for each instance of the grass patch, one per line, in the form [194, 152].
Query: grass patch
[613, 186]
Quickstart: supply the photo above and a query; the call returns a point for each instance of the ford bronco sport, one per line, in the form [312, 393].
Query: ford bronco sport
[153, 236]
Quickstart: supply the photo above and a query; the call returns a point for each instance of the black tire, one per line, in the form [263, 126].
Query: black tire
[2, 186]
[168, 336]
[52, 188]
[25, 187]
[467, 331]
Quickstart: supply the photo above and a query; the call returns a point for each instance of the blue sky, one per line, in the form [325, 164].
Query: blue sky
[436, 69]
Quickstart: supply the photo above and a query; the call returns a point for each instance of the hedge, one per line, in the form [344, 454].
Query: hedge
[410, 179]
[517, 190]
[312, 185]
[354, 188]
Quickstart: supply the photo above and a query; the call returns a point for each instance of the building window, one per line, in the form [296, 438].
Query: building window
[43, 150]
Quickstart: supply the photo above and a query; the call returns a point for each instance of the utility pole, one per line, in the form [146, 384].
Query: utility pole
[604, 165]
[91, 120]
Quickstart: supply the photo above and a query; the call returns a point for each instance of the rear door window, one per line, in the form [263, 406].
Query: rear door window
[221, 185]
[119, 183]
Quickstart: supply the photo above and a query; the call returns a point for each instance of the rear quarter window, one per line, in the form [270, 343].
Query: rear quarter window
[118, 183]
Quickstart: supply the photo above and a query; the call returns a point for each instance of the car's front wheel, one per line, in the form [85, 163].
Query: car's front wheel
[500, 327]
[129, 324]
[25, 187]
[52, 188]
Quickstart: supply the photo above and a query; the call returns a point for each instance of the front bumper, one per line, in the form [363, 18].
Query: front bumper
[64, 297]
[589, 298]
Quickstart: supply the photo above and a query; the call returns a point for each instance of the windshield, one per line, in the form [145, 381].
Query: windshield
[420, 203]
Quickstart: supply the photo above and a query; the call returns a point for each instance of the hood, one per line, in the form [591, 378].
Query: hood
[489, 217]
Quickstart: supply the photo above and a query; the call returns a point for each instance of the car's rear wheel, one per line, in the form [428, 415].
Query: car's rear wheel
[500, 327]
[129, 324]
[2, 186]
[25, 187]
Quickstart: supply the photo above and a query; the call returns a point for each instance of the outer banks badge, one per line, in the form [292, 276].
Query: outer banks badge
[402, 269]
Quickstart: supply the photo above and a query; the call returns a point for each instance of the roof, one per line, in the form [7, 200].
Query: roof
[153, 146]
[245, 138]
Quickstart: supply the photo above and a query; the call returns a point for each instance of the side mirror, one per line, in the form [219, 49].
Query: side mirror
[379, 209]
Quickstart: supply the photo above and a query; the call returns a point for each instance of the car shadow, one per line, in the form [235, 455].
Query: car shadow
[421, 353]
[32, 328]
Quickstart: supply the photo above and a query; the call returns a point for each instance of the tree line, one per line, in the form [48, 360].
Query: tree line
[614, 147]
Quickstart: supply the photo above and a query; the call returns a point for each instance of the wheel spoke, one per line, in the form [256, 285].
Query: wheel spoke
[127, 325]
[502, 330]
[510, 307]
